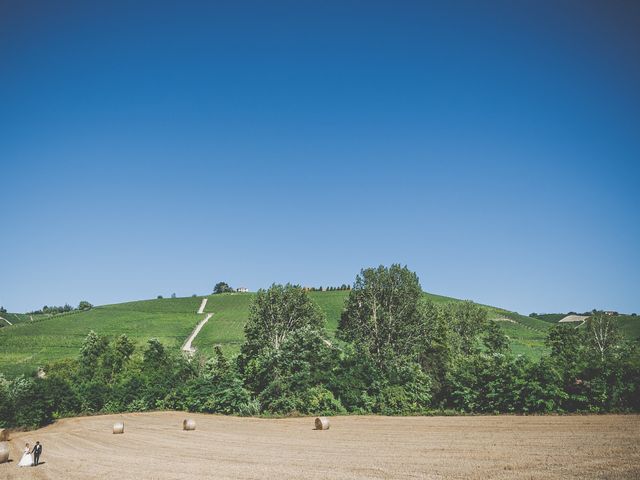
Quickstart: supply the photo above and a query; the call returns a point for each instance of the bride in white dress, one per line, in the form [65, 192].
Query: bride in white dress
[27, 458]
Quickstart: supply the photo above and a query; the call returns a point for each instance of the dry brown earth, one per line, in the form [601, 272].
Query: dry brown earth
[154, 447]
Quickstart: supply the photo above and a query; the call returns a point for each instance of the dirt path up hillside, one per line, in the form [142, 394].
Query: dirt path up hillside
[187, 345]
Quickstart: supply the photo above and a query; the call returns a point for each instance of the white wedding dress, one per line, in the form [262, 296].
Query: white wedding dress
[26, 460]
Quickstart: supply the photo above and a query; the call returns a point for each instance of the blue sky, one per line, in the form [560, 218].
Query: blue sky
[493, 147]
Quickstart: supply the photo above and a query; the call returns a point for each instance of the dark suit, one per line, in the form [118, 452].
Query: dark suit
[37, 450]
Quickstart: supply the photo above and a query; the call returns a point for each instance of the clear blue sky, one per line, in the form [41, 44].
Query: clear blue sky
[493, 147]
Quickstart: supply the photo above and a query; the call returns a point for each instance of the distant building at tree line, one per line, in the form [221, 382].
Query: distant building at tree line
[242, 290]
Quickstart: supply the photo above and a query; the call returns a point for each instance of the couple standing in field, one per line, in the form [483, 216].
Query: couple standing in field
[31, 458]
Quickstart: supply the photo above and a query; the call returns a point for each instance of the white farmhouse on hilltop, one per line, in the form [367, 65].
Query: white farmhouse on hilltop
[242, 290]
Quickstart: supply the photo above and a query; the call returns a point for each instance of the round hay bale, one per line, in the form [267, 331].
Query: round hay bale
[189, 424]
[322, 423]
[4, 452]
[118, 427]
[4, 435]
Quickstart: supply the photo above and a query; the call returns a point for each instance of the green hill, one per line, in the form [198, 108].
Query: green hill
[14, 318]
[629, 326]
[32, 343]
[550, 317]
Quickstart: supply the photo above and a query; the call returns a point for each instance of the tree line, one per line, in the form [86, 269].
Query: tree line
[329, 288]
[54, 310]
[394, 353]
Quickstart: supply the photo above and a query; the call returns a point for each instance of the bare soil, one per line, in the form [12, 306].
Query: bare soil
[154, 446]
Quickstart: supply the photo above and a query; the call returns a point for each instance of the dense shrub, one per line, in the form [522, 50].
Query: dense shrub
[218, 389]
[283, 378]
[31, 403]
[6, 404]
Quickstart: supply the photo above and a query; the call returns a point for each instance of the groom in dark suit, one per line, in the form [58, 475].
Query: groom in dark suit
[37, 450]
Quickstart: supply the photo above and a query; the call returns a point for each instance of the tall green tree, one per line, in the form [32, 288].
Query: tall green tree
[222, 287]
[438, 344]
[567, 345]
[84, 305]
[602, 334]
[468, 321]
[277, 313]
[117, 355]
[296, 376]
[6, 403]
[494, 338]
[382, 312]
[93, 347]
[285, 353]
[155, 356]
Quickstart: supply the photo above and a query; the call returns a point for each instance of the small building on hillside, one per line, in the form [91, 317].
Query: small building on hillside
[242, 290]
[611, 313]
[574, 319]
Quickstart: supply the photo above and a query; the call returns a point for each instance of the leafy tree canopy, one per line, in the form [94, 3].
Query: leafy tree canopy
[382, 312]
[276, 313]
[84, 305]
[222, 287]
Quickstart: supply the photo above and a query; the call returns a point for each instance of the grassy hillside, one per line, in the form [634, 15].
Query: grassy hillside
[15, 318]
[526, 334]
[550, 317]
[29, 344]
[629, 326]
